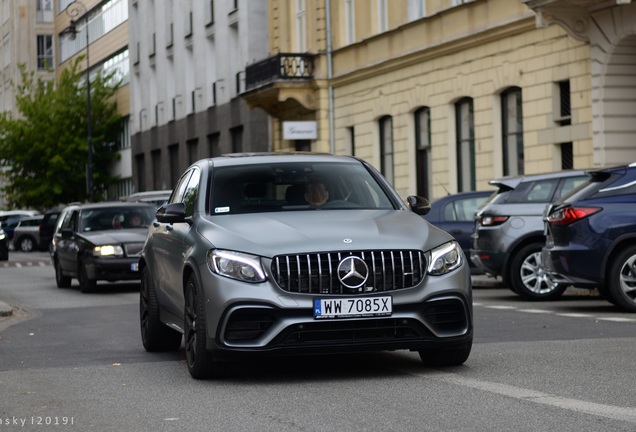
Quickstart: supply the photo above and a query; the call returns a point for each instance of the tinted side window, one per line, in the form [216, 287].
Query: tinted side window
[191, 192]
[179, 190]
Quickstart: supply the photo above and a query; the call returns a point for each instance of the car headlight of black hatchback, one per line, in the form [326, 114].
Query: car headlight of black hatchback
[445, 259]
[108, 251]
[236, 265]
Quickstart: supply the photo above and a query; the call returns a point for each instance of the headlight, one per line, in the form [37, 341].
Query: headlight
[445, 258]
[108, 250]
[2, 236]
[236, 265]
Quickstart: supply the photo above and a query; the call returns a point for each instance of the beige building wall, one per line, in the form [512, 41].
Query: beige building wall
[433, 54]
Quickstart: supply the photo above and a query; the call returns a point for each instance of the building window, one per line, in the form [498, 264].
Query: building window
[214, 145]
[123, 140]
[466, 178]
[423, 151]
[350, 22]
[210, 12]
[45, 51]
[173, 158]
[383, 16]
[386, 148]
[567, 156]
[156, 169]
[512, 131]
[416, 9]
[44, 11]
[301, 26]
[141, 172]
[351, 134]
[564, 114]
[237, 139]
[193, 150]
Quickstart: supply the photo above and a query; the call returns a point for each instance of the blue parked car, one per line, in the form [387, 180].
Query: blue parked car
[455, 214]
[591, 236]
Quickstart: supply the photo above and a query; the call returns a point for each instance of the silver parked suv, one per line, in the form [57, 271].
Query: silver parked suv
[509, 232]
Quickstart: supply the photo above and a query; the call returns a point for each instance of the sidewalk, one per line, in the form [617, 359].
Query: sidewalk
[22, 259]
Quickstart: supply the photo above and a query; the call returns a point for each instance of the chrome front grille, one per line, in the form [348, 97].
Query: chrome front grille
[317, 273]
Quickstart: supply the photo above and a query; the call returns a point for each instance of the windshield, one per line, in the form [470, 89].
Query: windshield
[295, 187]
[116, 218]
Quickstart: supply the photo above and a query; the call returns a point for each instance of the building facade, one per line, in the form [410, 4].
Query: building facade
[444, 95]
[101, 35]
[188, 72]
[27, 38]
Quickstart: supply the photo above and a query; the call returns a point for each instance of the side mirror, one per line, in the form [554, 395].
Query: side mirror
[419, 205]
[171, 213]
[67, 233]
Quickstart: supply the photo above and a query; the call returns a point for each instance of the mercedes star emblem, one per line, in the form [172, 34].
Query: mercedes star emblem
[353, 272]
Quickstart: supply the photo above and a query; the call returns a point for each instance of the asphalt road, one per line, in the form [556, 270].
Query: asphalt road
[76, 361]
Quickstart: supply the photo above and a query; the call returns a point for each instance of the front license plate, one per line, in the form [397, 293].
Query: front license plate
[134, 267]
[353, 307]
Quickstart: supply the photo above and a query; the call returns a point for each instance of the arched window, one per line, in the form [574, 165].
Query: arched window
[464, 117]
[512, 131]
[386, 147]
[422, 119]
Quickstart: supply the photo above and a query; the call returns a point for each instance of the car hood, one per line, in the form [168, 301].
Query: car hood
[270, 234]
[137, 235]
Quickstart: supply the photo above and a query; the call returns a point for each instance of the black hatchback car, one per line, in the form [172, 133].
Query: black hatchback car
[591, 236]
[100, 242]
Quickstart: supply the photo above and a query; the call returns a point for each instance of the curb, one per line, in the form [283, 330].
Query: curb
[5, 309]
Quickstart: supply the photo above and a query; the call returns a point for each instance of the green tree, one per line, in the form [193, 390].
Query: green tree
[46, 145]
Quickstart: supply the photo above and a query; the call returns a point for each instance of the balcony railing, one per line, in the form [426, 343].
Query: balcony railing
[280, 67]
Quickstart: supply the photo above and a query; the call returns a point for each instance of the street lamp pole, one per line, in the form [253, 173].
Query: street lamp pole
[75, 10]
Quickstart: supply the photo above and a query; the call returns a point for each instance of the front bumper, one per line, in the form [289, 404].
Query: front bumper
[113, 269]
[261, 318]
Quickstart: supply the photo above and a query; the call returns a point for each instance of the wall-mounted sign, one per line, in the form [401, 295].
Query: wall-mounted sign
[300, 130]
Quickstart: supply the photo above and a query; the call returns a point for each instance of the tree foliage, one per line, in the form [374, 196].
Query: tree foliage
[45, 147]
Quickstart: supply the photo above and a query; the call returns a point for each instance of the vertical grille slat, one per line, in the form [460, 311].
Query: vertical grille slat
[317, 273]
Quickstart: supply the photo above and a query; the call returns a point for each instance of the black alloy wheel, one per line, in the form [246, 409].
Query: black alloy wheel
[200, 361]
[86, 285]
[155, 335]
[61, 280]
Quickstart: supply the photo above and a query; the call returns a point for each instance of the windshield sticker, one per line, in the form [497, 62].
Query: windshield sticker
[222, 210]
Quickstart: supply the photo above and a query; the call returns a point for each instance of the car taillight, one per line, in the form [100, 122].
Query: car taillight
[568, 215]
[493, 220]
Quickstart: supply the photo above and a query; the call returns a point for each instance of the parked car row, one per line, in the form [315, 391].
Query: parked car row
[543, 233]
[591, 236]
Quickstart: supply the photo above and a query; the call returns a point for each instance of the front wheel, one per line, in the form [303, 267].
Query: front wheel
[200, 361]
[621, 280]
[528, 277]
[61, 280]
[86, 285]
[155, 335]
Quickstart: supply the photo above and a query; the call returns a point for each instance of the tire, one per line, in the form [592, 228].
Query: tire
[86, 285]
[61, 280]
[26, 243]
[200, 361]
[155, 335]
[621, 280]
[446, 356]
[529, 279]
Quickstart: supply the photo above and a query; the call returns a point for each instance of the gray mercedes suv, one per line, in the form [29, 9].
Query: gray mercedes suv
[508, 234]
[297, 254]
